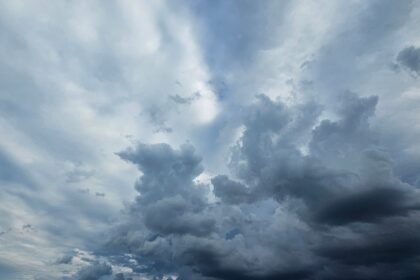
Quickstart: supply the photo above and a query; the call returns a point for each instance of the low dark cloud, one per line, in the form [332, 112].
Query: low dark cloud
[386, 250]
[230, 191]
[66, 259]
[94, 271]
[409, 58]
[321, 212]
[100, 194]
[367, 206]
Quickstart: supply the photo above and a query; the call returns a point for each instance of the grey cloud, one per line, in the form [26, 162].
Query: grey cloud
[390, 250]
[120, 276]
[173, 226]
[367, 206]
[409, 58]
[8, 271]
[66, 259]
[245, 30]
[94, 271]
[350, 134]
[319, 209]
[230, 191]
[268, 158]
[184, 100]
[28, 227]
[315, 190]
[170, 202]
[211, 264]
[281, 202]
[173, 216]
[157, 118]
[100, 194]
[387, 250]
[166, 171]
[79, 174]
[11, 172]
[364, 32]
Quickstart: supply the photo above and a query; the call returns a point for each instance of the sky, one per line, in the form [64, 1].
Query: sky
[209, 139]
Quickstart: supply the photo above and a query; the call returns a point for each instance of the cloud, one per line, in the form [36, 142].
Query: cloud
[286, 148]
[94, 271]
[67, 259]
[99, 194]
[372, 205]
[184, 100]
[230, 191]
[409, 58]
[65, 104]
[168, 189]
[157, 118]
[79, 174]
[322, 208]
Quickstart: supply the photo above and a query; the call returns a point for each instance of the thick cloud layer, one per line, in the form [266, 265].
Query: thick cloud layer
[94, 271]
[320, 214]
[209, 140]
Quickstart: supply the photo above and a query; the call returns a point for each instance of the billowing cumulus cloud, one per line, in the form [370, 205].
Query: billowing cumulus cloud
[288, 214]
[94, 271]
[209, 140]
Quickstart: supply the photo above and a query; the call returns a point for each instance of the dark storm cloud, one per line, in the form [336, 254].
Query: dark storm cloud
[334, 209]
[367, 206]
[409, 58]
[170, 202]
[167, 172]
[388, 250]
[211, 265]
[182, 220]
[174, 227]
[67, 259]
[268, 158]
[94, 271]
[230, 191]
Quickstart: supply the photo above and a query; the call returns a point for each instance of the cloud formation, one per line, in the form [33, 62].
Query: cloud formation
[94, 271]
[209, 140]
[409, 58]
[319, 212]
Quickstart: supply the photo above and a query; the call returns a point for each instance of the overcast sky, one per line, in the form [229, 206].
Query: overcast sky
[209, 139]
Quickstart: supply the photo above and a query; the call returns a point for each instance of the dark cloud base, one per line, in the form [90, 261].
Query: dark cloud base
[409, 58]
[337, 211]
